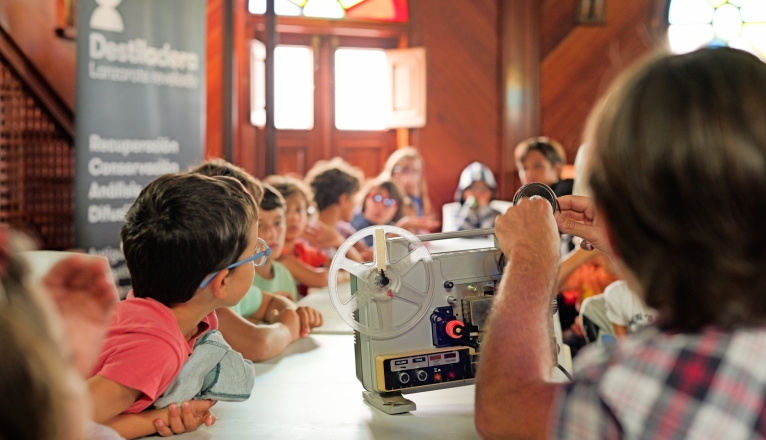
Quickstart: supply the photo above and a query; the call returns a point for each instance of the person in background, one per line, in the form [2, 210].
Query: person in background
[541, 160]
[625, 310]
[272, 276]
[475, 190]
[404, 167]
[381, 205]
[305, 262]
[334, 184]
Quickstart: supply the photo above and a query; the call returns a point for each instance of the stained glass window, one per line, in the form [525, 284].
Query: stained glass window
[737, 23]
[377, 10]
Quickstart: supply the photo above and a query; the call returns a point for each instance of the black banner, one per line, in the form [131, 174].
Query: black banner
[140, 108]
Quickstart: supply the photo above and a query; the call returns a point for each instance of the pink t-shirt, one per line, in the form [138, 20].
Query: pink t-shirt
[145, 349]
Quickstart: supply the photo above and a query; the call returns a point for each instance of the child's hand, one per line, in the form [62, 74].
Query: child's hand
[289, 318]
[83, 290]
[414, 224]
[191, 416]
[321, 235]
[310, 319]
[285, 294]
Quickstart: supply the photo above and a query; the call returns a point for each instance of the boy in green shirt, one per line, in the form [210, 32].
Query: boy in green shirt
[273, 276]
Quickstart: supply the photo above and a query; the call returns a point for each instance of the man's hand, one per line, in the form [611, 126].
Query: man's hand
[310, 319]
[530, 228]
[579, 217]
[191, 416]
[83, 290]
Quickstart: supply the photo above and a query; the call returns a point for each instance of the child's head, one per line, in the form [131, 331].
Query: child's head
[271, 219]
[182, 228]
[405, 168]
[219, 167]
[476, 181]
[540, 160]
[335, 183]
[298, 204]
[678, 170]
[381, 202]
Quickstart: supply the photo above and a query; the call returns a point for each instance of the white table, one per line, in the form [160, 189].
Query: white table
[311, 392]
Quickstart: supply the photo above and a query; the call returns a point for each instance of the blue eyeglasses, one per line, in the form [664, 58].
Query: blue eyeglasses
[377, 198]
[262, 252]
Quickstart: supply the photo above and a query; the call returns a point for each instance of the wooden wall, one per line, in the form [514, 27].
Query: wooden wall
[463, 110]
[31, 25]
[578, 66]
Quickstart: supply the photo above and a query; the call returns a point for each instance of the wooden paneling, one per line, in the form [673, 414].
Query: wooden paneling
[581, 67]
[557, 20]
[214, 70]
[368, 154]
[31, 25]
[463, 109]
[520, 84]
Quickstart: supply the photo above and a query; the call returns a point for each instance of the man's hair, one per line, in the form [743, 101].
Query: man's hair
[679, 172]
[551, 150]
[288, 185]
[220, 167]
[389, 186]
[272, 199]
[331, 179]
[180, 229]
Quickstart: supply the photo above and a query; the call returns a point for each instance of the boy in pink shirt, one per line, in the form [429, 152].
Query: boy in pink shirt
[190, 243]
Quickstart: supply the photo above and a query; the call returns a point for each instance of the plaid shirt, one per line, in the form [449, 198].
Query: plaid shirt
[658, 385]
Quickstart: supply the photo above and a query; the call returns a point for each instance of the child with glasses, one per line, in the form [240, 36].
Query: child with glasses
[280, 321]
[475, 190]
[186, 239]
[381, 204]
[405, 168]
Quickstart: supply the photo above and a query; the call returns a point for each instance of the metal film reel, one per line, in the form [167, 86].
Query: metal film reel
[537, 190]
[393, 292]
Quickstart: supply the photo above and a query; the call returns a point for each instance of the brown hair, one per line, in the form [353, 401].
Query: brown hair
[220, 167]
[181, 228]
[287, 186]
[389, 186]
[679, 172]
[553, 151]
[272, 199]
[331, 179]
[388, 174]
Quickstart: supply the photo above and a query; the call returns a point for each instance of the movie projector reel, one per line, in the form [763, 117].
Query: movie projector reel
[419, 316]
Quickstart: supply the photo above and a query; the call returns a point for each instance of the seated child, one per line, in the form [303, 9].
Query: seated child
[381, 205]
[625, 309]
[272, 276]
[541, 160]
[474, 191]
[335, 184]
[285, 322]
[188, 241]
[305, 262]
[404, 167]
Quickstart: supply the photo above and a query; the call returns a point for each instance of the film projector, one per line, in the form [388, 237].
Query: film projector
[419, 318]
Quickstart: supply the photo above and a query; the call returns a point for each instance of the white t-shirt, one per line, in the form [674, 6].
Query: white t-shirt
[625, 308]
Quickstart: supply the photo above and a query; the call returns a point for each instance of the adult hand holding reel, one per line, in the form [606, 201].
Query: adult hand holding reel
[396, 349]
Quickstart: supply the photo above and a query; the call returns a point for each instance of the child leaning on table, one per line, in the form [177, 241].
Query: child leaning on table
[272, 276]
[240, 325]
[188, 242]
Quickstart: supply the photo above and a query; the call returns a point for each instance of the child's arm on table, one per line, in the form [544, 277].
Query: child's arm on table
[305, 274]
[110, 399]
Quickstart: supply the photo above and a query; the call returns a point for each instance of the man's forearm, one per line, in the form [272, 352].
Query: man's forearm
[513, 392]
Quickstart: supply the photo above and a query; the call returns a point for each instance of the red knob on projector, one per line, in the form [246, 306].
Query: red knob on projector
[455, 329]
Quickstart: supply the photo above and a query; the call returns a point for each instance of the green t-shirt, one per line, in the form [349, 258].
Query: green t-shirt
[282, 281]
[250, 303]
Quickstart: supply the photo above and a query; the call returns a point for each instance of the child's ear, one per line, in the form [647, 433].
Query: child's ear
[219, 284]
[558, 168]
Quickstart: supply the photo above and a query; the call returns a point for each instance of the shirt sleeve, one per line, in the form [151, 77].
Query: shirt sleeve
[582, 414]
[142, 362]
[613, 298]
[250, 303]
